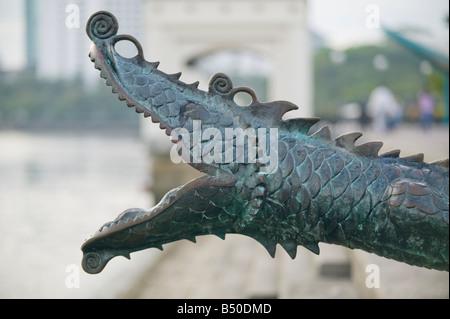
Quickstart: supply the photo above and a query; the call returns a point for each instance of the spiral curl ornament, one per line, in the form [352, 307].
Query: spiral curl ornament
[102, 25]
[92, 263]
[220, 84]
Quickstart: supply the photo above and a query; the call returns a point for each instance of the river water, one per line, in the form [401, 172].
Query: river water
[56, 190]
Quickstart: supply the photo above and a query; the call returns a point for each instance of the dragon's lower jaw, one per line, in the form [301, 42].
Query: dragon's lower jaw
[176, 217]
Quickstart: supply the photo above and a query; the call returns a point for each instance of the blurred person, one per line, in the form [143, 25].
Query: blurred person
[382, 107]
[364, 119]
[426, 104]
[394, 114]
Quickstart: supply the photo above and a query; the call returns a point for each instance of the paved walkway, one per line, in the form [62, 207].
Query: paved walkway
[239, 267]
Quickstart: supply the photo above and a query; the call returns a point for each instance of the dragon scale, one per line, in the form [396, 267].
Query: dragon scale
[322, 190]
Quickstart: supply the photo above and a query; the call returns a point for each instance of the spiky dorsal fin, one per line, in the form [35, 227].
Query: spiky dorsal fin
[271, 114]
[154, 64]
[323, 134]
[347, 140]
[391, 154]
[443, 163]
[175, 76]
[370, 149]
[415, 158]
[302, 125]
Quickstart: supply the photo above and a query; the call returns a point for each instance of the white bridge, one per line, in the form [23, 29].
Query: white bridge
[178, 32]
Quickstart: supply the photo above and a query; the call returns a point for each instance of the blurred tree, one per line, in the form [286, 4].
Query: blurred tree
[29, 103]
[353, 78]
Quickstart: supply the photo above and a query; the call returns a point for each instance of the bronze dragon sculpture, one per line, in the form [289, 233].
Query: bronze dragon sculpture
[317, 189]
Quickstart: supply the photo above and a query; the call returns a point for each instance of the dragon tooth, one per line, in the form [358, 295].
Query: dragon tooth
[104, 227]
[102, 73]
[96, 64]
[121, 223]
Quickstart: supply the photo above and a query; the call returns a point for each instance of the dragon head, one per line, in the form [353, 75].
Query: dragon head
[263, 174]
[236, 146]
[210, 129]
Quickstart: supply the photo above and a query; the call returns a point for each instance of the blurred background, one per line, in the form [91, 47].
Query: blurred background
[73, 157]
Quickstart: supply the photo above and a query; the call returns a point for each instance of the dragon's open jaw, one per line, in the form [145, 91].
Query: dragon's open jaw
[95, 259]
[132, 222]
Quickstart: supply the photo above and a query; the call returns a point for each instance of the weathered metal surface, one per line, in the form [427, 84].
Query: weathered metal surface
[316, 189]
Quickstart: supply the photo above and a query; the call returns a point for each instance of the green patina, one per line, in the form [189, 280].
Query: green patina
[322, 190]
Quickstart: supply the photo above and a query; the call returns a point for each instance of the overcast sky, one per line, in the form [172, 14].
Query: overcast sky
[345, 23]
[342, 23]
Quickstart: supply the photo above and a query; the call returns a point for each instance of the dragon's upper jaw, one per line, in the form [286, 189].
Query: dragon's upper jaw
[178, 106]
[108, 71]
[109, 67]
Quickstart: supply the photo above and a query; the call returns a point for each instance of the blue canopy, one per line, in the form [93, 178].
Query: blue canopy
[438, 59]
